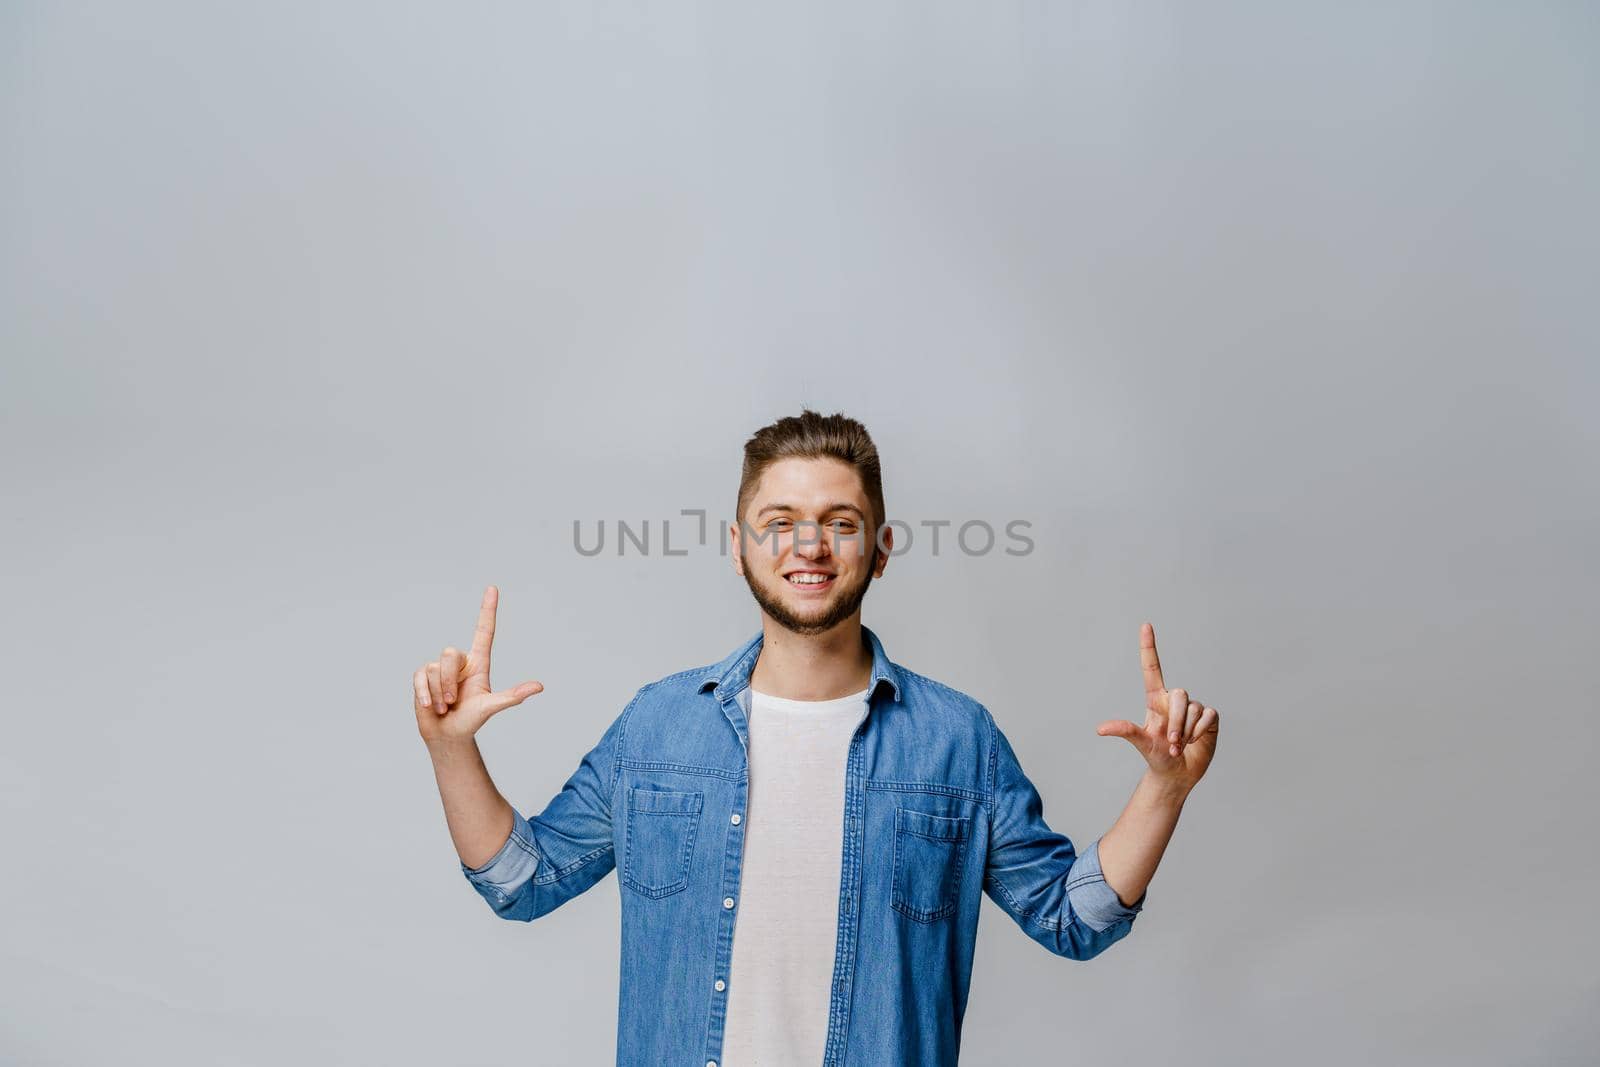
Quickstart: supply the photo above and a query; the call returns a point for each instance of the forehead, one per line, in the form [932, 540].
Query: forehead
[810, 484]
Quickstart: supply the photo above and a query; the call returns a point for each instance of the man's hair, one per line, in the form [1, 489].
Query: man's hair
[810, 435]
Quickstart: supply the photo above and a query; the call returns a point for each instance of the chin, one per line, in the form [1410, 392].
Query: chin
[801, 614]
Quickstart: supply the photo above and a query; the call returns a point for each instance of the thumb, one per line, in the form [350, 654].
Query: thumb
[1124, 729]
[506, 698]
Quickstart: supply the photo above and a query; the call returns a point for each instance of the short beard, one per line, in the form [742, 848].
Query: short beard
[844, 605]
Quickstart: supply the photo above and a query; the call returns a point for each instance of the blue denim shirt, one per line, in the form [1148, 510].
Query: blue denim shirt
[937, 810]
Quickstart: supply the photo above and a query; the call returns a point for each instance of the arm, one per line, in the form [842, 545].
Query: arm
[1059, 897]
[522, 868]
[479, 818]
[1131, 849]
[1177, 740]
[543, 862]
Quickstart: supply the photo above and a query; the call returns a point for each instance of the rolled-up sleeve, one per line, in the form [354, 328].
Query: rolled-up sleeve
[1092, 897]
[499, 879]
[563, 850]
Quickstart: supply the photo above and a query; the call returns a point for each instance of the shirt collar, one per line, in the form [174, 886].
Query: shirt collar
[732, 675]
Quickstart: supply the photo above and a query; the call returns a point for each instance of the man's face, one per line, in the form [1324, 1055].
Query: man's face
[806, 544]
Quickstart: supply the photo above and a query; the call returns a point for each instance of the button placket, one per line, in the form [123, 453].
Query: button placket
[733, 863]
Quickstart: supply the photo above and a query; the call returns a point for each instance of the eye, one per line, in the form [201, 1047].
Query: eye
[778, 524]
[843, 525]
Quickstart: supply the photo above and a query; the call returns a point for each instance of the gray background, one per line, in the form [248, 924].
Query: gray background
[1270, 318]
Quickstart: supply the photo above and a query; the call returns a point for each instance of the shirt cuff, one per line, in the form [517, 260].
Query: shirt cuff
[1092, 898]
[513, 865]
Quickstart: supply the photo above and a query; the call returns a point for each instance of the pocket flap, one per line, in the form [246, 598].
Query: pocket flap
[642, 799]
[926, 824]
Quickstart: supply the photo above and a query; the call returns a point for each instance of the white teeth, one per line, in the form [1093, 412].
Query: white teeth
[808, 579]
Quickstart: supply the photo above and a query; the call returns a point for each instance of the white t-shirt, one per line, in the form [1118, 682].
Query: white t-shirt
[781, 975]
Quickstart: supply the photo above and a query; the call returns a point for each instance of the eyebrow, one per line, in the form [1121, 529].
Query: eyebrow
[836, 506]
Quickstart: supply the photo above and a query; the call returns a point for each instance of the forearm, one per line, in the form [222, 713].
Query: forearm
[480, 819]
[1131, 850]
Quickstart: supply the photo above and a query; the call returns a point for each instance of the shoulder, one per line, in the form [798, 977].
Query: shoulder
[668, 695]
[943, 704]
[920, 686]
[672, 687]
[682, 682]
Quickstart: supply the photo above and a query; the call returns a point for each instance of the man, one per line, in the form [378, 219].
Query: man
[802, 830]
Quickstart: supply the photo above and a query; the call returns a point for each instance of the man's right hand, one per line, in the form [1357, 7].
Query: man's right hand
[452, 694]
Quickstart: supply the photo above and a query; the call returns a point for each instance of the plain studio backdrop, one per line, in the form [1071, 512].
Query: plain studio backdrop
[1273, 321]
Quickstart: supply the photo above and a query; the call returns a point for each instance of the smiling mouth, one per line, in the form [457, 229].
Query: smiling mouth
[810, 583]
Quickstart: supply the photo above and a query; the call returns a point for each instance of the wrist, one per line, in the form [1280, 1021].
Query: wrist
[1164, 790]
[451, 749]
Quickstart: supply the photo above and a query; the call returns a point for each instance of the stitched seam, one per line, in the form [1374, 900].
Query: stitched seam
[680, 674]
[901, 900]
[994, 746]
[1028, 914]
[685, 859]
[936, 684]
[581, 862]
[525, 845]
[616, 754]
[656, 802]
[903, 905]
[925, 787]
[657, 765]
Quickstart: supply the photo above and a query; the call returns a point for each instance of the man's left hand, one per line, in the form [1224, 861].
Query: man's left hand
[1179, 735]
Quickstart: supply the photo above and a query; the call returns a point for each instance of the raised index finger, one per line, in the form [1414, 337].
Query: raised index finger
[483, 636]
[1154, 687]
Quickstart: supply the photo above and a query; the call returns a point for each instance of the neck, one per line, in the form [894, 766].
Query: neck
[823, 666]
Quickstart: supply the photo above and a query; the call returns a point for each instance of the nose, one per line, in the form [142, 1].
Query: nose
[809, 541]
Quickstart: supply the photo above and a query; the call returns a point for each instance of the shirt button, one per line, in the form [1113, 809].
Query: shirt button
[727, 902]
[736, 818]
[721, 985]
[711, 1063]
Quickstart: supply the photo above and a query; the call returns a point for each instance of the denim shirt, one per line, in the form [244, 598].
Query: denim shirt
[937, 811]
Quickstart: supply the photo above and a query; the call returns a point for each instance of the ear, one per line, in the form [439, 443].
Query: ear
[734, 539]
[885, 547]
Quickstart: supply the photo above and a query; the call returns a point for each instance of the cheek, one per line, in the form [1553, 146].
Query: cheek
[852, 551]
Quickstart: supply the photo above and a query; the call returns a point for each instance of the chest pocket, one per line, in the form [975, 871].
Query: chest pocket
[929, 851]
[661, 829]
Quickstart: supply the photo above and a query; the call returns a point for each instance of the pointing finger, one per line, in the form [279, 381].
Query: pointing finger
[1150, 663]
[483, 636]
